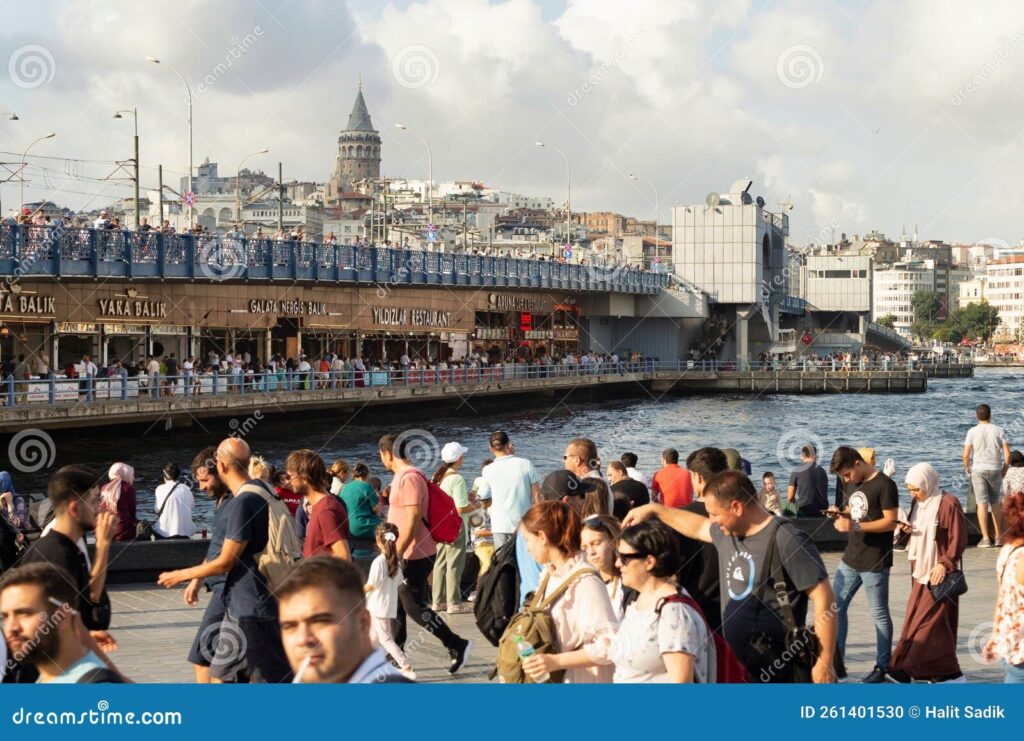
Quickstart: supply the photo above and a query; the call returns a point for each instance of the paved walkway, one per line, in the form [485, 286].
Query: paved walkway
[155, 630]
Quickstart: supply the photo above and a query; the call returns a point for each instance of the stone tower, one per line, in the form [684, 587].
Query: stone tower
[358, 152]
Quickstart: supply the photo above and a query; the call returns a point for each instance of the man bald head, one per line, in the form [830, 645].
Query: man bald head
[233, 462]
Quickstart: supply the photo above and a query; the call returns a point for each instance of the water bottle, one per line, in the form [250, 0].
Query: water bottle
[525, 650]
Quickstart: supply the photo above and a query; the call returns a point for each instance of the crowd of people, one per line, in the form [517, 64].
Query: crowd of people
[595, 572]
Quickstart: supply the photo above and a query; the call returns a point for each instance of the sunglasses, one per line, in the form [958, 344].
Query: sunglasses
[627, 557]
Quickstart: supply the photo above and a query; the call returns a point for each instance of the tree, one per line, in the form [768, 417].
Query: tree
[889, 320]
[924, 330]
[927, 305]
[976, 321]
[948, 333]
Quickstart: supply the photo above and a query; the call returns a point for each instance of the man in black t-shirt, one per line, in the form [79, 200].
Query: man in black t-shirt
[699, 574]
[623, 485]
[808, 485]
[74, 494]
[869, 515]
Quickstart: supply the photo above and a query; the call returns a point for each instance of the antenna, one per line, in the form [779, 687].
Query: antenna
[713, 199]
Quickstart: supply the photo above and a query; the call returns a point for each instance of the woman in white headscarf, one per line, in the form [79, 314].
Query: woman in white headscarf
[118, 496]
[938, 535]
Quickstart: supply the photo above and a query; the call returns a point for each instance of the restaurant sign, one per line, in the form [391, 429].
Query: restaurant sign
[24, 304]
[133, 309]
[291, 307]
[411, 317]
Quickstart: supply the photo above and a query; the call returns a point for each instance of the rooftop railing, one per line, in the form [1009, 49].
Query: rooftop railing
[59, 252]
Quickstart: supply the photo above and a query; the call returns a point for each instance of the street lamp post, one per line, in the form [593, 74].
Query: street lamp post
[23, 156]
[657, 212]
[568, 192]
[10, 117]
[430, 172]
[188, 90]
[135, 115]
[238, 186]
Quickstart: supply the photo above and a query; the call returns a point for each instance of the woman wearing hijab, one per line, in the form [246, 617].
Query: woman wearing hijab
[13, 505]
[938, 536]
[118, 496]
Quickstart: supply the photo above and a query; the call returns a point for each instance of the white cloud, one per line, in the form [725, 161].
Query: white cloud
[869, 115]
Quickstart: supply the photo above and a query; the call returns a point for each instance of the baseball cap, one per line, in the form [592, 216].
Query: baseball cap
[451, 452]
[564, 483]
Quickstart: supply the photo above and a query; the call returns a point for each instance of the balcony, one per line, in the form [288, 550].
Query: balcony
[58, 252]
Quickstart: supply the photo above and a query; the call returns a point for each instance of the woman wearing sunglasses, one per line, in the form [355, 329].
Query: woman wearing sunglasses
[663, 637]
[598, 541]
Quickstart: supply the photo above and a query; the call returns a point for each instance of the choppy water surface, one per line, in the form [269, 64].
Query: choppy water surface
[768, 430]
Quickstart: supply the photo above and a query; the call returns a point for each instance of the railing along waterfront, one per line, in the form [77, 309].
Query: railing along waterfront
[56, 251]
[61, 390]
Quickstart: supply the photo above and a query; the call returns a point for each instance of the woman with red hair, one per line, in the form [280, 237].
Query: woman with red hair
[583, 615]
[1006, 643]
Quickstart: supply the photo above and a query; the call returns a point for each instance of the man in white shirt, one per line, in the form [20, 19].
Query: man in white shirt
[102, 221]
[629, 460]
[174, 502]
[89, 367]
[986, 460]
[514, 485]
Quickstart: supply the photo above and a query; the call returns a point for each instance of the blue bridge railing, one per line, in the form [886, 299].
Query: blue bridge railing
[56, 251]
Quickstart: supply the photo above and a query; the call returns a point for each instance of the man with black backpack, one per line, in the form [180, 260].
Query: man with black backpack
[409, 504]
[249, 645]
[43, 627]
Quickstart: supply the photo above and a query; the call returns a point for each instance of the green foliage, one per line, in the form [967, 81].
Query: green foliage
[976, 321]
[889, 320]
[927, 305]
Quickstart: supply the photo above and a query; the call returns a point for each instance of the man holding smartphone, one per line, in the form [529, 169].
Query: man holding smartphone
[869, 515]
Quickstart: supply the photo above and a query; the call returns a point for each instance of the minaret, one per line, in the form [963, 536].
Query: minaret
[358, 151]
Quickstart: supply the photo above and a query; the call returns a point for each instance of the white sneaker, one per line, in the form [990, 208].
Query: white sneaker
[408, 674]
[984, 543]
[438, 607]
[459, 609]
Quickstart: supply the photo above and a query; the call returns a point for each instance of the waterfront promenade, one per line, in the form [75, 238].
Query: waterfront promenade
[155, 629]
[57, 404]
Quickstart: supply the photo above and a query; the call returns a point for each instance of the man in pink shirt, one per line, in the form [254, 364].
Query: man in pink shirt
[409, 502]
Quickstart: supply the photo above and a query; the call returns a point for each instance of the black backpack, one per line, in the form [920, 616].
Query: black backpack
[497, 595]
[12, 544]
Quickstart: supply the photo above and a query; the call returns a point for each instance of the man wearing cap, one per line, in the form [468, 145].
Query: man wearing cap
[451, 558]
[102, 221]
[514, 485]
[562, 485]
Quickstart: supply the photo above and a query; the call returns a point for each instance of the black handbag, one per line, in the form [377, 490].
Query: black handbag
[950, 588]
[144, 528]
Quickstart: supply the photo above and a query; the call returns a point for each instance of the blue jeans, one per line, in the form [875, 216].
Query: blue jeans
[876, 584]
[1014, 673]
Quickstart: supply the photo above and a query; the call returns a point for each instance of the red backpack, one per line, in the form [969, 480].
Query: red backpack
[729, 670]
[442, 516]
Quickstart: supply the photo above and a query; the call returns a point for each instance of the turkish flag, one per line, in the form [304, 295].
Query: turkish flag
[807, 339]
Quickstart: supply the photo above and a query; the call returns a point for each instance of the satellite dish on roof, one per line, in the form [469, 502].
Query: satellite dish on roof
[760, 202]
[713, 199]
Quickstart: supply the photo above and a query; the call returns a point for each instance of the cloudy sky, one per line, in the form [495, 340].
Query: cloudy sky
[866, 114]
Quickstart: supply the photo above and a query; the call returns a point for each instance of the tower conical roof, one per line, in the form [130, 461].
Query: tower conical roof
[359, 119]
